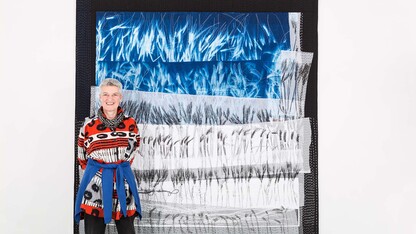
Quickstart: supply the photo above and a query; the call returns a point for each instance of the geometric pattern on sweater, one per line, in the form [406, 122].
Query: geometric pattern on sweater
[98, 142]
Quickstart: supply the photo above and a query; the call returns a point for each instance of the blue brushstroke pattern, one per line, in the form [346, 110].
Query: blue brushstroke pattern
[190, 36]
[235, 79]
[200, 53]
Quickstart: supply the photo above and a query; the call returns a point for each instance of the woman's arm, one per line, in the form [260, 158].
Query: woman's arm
[136, 142]
[82, 156]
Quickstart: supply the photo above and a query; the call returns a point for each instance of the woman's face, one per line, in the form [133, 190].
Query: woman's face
[110, 98]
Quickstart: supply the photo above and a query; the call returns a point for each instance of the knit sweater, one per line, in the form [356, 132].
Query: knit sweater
[108, 146]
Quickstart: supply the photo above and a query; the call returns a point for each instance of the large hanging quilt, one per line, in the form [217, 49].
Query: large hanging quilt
[225, 97]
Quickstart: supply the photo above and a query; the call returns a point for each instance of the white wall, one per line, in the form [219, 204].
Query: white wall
[37, 88]
[367, 98]
[367, 105]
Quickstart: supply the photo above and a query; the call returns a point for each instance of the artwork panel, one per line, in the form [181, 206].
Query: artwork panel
[235, 79]
[202, 87]
[192, 36]
[219, 193]
[293, 72]
[284, 145]
[290, 89]
[243, 225]
[222, 230]
[180, 109]
[158, 181]
[256, 79]
[295, 29]
[163, 216]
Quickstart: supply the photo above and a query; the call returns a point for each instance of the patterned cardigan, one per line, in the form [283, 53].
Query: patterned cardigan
[108, 146]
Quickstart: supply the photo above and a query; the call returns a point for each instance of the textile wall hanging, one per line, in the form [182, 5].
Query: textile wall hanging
[225, 97]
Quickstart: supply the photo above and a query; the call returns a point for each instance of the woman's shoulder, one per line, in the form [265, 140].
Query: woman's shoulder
[129, 118]
[90, 120]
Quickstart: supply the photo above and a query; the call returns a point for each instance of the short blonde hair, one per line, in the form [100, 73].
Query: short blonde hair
[111, 82]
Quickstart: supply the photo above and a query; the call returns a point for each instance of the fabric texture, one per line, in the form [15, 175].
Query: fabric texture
[106, 155]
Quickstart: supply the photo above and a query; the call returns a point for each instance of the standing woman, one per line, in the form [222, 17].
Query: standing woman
[106, 146]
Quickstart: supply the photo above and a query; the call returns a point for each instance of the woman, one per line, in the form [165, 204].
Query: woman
[106, 146]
